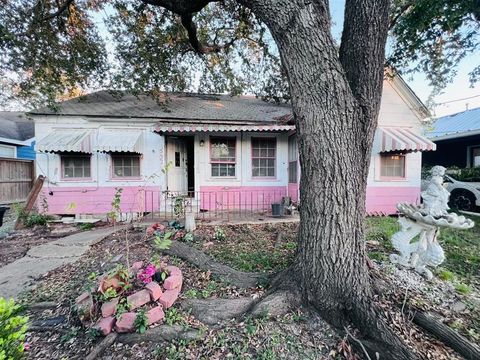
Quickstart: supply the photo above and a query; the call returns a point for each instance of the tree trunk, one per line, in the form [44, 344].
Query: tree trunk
[336, 118]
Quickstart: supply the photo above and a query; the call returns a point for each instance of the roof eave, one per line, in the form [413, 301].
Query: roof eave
[456, 135]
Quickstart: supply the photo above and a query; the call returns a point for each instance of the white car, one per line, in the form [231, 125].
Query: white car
[463, 195]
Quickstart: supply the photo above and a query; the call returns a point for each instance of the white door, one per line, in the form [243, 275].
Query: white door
[177, 175]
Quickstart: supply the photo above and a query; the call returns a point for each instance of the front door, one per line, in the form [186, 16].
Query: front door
[177, 174]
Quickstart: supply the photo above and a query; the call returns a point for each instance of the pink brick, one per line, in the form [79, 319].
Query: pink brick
[138, 299]
[168, 298]
[136, 266]
[85, 306]
[173, 270]
[154, 289]
[125, 322]
[105, 325]
[109, 308]
[173, 282]
[155, 315]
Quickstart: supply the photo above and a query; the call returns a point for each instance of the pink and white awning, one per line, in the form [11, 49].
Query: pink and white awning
[399, 139]
[187, 128]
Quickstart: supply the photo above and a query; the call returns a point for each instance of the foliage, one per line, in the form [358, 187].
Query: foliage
[446, 275]
[465, 174]
[163, 242]
[108, 294]
[122, 307]
[189, 237]
[86, 226]
[173, 316]
[179, 205]
[53, 58]
[141, 321]
[13, 327]
[114, 213]
[433, 36]
[219, 234]
[33, 219]
[463, 288]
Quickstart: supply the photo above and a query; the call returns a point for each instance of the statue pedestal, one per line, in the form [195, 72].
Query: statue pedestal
[417, 240]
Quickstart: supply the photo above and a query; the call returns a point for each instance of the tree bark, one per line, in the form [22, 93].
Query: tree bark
[335, 98]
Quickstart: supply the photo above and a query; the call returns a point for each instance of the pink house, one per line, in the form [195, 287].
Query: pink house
[222, 152]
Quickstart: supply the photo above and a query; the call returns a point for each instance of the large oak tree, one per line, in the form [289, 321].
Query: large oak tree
[278, 49]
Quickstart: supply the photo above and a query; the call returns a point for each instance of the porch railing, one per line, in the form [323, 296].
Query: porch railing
[215, 205]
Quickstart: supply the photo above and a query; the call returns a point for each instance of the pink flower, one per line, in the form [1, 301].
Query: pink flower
[26, 346]
[146, 274]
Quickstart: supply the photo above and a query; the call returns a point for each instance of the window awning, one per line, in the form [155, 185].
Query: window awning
[119, 140]
[403, 140]
[183, 128]
[66, 140]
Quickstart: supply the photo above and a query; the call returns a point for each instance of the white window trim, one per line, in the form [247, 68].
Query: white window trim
[10, 147]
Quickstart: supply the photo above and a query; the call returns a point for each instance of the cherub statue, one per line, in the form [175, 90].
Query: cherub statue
[435, 197]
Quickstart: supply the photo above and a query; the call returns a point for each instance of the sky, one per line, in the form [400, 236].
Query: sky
[456, 97]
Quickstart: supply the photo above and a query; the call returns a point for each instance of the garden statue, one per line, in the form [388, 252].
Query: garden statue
[424, 221]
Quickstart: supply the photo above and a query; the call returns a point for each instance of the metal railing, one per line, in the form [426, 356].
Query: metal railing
[212, 205]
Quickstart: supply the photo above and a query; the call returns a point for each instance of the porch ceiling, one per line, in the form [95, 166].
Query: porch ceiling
[190, 128]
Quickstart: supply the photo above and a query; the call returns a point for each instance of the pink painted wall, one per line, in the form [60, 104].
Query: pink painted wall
[293, 191]
[240, 197]
[383, 200]
[93, 200]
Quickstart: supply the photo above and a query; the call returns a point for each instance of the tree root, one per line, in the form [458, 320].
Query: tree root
[448, 336]
[162, 333]
[102, 346]
[213, 311]
[206, 262]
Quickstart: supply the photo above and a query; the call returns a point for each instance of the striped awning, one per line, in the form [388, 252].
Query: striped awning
[403, 140]
[186, 128]
[119, 140]
[66, 140]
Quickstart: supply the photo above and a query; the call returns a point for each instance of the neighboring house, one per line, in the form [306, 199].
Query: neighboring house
[223, 152]
[17, 136]
[457, 138]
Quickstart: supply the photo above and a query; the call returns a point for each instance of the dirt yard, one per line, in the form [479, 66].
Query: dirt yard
[454, 295]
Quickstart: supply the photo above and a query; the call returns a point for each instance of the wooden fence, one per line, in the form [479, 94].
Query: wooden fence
[16, 179]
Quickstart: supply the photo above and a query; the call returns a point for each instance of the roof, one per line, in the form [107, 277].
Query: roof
[407, 94]
[465, 123]
[174, 107]
[16, 126]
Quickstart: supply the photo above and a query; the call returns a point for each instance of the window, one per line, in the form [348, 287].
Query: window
[7, 151]
[392, 165]
[263, 157]
[126, 165]
[222, 157]
[475, 157]
[292, 160]
[75, 166]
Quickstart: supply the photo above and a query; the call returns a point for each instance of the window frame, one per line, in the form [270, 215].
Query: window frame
[269, 177]
[394, 178]
[113, 176]
[226, 162]
[75, 155]
[292, 164]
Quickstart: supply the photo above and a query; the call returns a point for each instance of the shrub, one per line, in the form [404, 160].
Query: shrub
[36, 219]
[12, 330]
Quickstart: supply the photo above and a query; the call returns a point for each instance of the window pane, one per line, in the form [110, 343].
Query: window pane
[127, 165]
[222, 149]
[393, 165]
[292, 172]
[75, 166]
[263, 157]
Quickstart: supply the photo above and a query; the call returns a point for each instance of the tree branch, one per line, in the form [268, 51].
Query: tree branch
[403, 10]
[60, 10]
[181, 7]
[189, 25]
